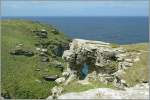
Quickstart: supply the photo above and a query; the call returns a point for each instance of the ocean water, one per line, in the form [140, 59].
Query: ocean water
[120, 30]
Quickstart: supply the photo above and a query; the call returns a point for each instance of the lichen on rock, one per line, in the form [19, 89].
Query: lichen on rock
[104, 62]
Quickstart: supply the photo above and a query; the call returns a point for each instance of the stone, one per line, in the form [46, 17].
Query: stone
[134, 93]
[60, 80]
[41, 33]
[44, 50]
[50, 78]
[129, 60]
[65, 74]
[127, 64]
[56, 91]
[28, 53]
[136, 59]
[38, 49]
[45, 59]
[37, 69]
[119, 50]
[120, 57]
[71, 77]
[20, 44]
[105, 78]
[91, 76]
[21, 52]
[67, 55]
[99, 56]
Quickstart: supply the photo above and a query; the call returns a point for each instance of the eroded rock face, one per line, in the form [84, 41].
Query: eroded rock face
[104, 62]
[93, 53]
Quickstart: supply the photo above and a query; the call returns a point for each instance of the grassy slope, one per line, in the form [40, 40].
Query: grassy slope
[19, 77]
[139, 71]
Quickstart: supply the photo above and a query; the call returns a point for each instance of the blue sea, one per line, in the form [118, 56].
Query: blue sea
[121, 30]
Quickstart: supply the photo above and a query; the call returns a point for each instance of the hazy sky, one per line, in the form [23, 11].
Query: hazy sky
[75, 8]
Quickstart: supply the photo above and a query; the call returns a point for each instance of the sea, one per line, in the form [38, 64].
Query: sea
[120, 30]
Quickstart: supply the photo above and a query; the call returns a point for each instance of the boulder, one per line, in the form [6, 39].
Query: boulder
[41, 33]
[91, 76]
[38, 49]
[21, 52]
[50, 78]
[105, 78]
[37, 69]
[56, 91]
[71, 77]
[99, 56]
[28, 53]
[128, 60]
[65, 74]
[44, 50]
[60, 80]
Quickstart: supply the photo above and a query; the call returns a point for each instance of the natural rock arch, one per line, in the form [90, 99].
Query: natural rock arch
[99, 56]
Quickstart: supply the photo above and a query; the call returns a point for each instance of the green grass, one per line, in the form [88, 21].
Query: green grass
[21, 81]
[139, 71]
[136, 47]
[76, 87]
[19, 78]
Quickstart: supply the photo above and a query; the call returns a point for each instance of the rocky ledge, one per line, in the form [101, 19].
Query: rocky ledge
[140, 91]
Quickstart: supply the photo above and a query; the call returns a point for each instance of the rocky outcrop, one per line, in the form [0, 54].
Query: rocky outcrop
[105, 63]
[20, 50]
[41, 33]
[56, 91]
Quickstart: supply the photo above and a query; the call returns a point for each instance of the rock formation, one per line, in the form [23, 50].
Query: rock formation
[105, 63]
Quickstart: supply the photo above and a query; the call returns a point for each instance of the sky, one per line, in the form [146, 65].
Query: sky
[75, 8]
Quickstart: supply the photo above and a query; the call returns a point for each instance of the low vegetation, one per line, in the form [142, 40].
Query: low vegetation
[22, 80]
[20, 77]
[139, 71]
[77, 87]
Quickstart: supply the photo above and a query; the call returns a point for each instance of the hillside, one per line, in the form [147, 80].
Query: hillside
[22, 76]
[32, 55]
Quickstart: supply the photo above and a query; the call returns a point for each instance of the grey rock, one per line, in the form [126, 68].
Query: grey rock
[41, 33]
[20, 51]
[56, 91]
[99, 56]
[60, 80]
[50, 77]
